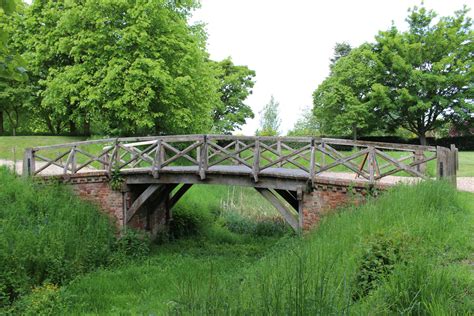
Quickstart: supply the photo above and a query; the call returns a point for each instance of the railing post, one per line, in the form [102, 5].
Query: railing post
[453, 157]
[441, 162]
[237, 148]
[371, 164]
[420, 156]
[157, 160]
[312, 164]
[203, 161]
[29, 163]
[323, 156]
[280, 164]
[256, 160]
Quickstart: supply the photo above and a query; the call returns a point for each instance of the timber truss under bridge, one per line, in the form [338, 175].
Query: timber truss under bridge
[280, 168]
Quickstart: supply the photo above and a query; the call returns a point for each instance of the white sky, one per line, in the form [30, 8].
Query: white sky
[289, 43]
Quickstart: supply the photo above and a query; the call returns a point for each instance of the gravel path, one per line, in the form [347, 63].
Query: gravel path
[464, 183]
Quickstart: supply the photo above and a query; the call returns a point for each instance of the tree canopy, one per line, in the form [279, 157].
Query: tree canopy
[125, 67]
[270, 119]
[236, 83]
[418, 79]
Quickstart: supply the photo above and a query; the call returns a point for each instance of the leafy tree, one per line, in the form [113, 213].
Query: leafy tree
[11, 64]
[419, 79]
[340, 50]
[428, 72]
[270, 119]
[341, 102]
[122, 66]
[236, 83]
[306, 125]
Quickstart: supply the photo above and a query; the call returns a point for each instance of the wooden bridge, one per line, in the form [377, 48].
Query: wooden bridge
[300, 176]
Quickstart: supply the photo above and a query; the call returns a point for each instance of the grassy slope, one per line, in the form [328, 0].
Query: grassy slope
[431, 226]
[19, 143]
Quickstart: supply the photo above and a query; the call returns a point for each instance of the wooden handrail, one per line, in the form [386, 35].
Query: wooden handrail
[257, 153]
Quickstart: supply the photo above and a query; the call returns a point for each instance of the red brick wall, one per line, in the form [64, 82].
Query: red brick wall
[327, 196]
[97, 190]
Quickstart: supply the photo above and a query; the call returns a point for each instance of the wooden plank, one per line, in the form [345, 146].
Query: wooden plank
[256, 160]
[180, 153]
[287, 157]
[395, 146]
[286, 213]
[50, 161]
[230, 155]
[142, 199]
[400, 165]
[204, 160]
[289, 198]
[28, 163]
[341, 160]
[157, 161]
[181, 191]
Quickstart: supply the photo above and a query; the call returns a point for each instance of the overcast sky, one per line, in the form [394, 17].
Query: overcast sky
[289, 43]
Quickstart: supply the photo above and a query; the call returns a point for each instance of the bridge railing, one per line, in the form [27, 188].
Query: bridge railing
[305, 156]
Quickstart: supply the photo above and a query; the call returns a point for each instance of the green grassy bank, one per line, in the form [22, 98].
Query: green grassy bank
[408, 252]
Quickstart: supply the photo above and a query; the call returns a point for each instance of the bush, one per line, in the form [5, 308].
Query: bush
[47, 236]
[382, 252]
[189, 220]
[132, 244]
[262, 226]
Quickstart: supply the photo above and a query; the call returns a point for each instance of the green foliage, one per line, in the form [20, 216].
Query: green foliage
[260, 226]
[11, 64]
[116, 180]
[306, 125]
[46, 235]
[270, 119]
[419, 79]
[189, 220]
[128, 66]
[130, 245]
[429, 69]
[382, 252]
[341, 101]
[236, 83]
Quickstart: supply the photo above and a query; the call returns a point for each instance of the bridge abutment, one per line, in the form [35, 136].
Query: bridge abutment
[329, 195]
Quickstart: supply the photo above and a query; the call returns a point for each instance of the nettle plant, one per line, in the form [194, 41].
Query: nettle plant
[116, 180]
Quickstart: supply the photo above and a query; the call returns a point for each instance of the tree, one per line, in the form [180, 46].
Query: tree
[306, 125]
[126, 67]
[428, 72]
[340, 50]
[11, 64]
[236, 83]
[341, 101]
[270, 119]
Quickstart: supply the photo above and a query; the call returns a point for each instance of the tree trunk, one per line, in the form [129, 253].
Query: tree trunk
[422, 137]
[354, 132]
[1, 123]
[72, 128]
[87, 128]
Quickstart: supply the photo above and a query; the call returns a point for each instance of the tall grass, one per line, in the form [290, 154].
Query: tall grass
[427, 226]
[46, 236]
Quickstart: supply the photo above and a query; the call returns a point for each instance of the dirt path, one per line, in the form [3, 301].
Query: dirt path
[464, 183]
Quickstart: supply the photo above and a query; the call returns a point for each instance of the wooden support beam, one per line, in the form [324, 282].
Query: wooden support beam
[153, 189]
[181, 191]
[289, 198]
[284, 211]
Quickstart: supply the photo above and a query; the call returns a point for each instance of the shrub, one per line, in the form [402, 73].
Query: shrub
[47, 235]
[132, 244]
[189, 220]
[382, 251]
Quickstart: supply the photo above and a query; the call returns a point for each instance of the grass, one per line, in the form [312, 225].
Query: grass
[408, 252]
